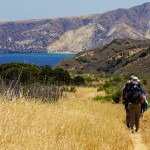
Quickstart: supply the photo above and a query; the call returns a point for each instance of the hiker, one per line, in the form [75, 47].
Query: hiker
[144, 105]
[125, 100]
[135, 96]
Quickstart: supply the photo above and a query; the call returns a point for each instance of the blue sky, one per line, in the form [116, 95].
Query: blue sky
[37, 9]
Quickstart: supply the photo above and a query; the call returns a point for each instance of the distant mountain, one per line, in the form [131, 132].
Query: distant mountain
[37, 35]
[75, 34]
[119, 57]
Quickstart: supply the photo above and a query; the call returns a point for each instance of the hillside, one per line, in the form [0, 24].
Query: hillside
[75, 34]
[119, 57]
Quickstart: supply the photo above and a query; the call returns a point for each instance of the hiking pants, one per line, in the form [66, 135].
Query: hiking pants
[134, 111]
[127, 114]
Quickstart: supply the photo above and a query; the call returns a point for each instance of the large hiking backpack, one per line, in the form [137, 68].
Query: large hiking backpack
[135, 95]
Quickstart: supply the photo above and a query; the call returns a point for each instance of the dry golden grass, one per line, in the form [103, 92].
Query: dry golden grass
[77, 123]
[145, 128]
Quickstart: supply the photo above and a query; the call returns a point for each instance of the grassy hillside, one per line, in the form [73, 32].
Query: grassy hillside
[74, 123]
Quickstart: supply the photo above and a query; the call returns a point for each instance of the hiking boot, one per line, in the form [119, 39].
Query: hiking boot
[128, 125]
[136, 130]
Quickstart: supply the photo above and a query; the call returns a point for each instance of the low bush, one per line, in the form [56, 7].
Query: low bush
[116, 96]
[103, 98]
[108, 90]
[78, 80]
[100, 88]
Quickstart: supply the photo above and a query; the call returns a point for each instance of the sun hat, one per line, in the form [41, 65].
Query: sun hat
[135, 80]
[131, 77]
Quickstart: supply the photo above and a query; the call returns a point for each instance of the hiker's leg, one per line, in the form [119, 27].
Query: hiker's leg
[137, 116]
[127, 118]
[127, 115]
[132, 116]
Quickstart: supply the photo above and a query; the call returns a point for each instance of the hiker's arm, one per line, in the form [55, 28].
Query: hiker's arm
[142, 98]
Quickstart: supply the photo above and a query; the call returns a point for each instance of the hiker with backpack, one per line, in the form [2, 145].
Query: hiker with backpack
[125, 100]
[135, 96]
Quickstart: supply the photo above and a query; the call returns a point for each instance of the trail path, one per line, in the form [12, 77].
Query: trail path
[137, 137]
[88, 93]
[137, 141]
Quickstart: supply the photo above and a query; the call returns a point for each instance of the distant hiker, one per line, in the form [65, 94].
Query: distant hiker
[135, 96]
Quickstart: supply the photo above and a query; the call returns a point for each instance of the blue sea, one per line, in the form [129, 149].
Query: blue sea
[39, 59]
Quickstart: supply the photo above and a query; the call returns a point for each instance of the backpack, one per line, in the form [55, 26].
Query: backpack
[135, 95]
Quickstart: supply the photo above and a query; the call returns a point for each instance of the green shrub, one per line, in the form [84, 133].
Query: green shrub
[100, 88]
[108, 90]
[106, 85]
[103, 98]
[30, 74]
[78, 80]
[116, 96]
[61, 75]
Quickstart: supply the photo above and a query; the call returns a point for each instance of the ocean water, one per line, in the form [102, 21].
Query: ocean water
[39, 59]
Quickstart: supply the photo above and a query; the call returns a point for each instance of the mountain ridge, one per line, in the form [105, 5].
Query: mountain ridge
[75, 34]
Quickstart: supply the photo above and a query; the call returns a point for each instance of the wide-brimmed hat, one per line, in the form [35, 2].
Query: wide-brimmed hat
[135, 80]
[131, 77]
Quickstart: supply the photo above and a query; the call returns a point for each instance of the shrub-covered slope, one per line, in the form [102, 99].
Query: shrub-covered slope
[121, 56]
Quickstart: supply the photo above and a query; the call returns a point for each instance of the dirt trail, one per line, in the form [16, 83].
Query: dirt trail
[137, 141]
[137, 137]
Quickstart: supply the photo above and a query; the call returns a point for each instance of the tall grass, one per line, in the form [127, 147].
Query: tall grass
[145, 128]
[77, 123]
[50, 92]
